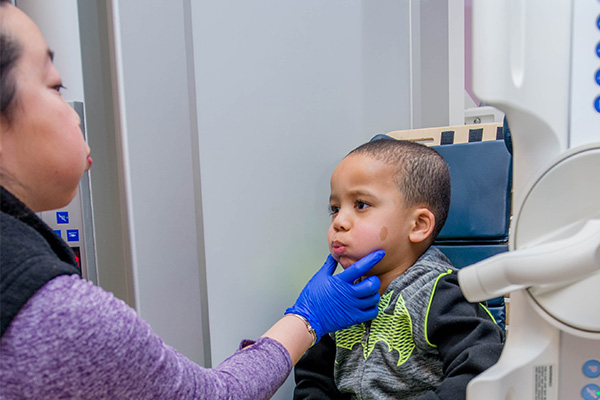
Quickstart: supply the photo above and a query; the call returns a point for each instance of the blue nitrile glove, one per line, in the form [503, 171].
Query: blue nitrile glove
[332, 302]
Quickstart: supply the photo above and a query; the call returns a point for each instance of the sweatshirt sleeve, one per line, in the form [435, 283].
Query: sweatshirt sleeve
[75, 340]
[314, 373]
[467, 338]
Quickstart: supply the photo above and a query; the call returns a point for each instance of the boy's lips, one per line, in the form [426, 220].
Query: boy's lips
[338, 248]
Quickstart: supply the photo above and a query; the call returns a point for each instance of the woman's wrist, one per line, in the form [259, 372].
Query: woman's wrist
[293, 334]
[309, 327]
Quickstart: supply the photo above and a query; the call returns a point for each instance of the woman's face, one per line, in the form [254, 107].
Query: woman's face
[42, 150]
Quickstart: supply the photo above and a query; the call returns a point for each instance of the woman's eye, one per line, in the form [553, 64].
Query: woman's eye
[333, 210]
[361, 205]
[59, 87]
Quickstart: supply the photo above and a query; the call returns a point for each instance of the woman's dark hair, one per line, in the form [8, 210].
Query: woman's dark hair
[10, 52]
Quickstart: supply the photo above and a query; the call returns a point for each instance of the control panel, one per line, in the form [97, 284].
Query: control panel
[585, 72]
[580, 368]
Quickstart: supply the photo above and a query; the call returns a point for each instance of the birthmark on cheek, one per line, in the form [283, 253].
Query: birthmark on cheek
[383, 233]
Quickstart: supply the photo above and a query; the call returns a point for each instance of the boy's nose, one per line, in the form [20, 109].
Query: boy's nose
[341, 222]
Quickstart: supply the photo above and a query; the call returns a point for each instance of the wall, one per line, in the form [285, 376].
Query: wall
[437, 63]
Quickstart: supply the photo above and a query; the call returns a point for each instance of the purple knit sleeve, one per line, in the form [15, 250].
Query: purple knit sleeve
[74, 340]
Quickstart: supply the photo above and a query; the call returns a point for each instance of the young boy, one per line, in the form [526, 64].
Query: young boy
[427, 341]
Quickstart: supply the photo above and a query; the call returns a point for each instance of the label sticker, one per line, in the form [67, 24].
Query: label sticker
[545, 382]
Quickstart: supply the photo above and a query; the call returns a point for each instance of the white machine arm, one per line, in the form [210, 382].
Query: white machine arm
[559, 261]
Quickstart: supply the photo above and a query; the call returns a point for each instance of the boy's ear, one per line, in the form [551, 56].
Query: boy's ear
[423, 224]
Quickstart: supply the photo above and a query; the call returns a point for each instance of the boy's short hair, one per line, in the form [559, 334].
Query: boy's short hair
[421, 175]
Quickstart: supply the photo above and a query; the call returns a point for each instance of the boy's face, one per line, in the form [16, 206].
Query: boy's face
[367, 214]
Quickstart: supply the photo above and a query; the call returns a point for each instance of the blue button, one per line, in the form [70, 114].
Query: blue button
[598, 49]
[591, 392]
[598, 22]
[591, 369]
[62, 217]
[597, 104]
[598, 77]
[57, 231]
[72, 235]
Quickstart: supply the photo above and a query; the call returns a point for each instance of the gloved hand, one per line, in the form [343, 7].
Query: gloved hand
[332, 302]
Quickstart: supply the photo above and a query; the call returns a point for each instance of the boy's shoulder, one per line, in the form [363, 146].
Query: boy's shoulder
[434, 257]
[430, 265]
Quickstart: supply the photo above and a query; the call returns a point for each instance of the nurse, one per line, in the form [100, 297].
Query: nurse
[63, 337]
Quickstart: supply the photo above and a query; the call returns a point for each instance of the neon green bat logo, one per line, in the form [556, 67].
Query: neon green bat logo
[395, 330]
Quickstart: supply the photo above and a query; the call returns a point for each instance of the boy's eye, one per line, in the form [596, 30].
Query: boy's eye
[333, 210]
[361, 205]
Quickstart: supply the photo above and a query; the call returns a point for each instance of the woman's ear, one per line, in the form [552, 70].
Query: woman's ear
[423, 224]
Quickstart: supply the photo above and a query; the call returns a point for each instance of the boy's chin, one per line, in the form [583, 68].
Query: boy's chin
[346, 262]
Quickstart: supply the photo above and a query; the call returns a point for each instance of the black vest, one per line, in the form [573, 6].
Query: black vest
[31, 255]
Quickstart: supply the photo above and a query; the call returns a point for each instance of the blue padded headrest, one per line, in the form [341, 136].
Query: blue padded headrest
[466, 254]
[481, 185]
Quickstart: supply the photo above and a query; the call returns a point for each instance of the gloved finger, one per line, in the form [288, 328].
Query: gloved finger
[366, 287]
[361, 267]
[330, 265]
[368, 302]
[370, 313]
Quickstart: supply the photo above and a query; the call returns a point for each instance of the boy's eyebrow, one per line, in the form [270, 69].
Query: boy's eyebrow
[360, 193]
[355, 193]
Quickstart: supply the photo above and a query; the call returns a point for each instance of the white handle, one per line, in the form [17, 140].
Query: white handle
[555, 262]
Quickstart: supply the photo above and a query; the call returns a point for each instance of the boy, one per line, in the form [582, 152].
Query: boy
[427, 341]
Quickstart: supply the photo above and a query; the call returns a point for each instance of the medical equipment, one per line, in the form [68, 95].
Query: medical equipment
[539, 62]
